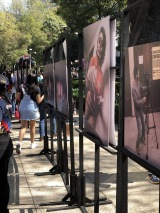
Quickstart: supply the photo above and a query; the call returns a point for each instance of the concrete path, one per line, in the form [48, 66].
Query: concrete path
[29, 191]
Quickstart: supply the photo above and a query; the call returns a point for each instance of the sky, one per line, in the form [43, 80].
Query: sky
[6, 2]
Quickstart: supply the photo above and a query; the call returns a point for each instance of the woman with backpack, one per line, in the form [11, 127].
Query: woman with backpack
[30, 96]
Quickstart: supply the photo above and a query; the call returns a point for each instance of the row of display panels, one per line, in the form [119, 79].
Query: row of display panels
[141, 121]
[100, 82]
[141, 94]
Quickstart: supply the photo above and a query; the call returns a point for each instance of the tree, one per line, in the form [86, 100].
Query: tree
[17, 8]
[33, 24]
[9, 35]
[86, 12]
[53, 26]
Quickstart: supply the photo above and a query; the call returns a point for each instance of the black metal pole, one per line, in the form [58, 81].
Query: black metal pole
[46, 134]
[122, 159]
[96, 179]
[22, 72]
[51, 134]
[65, 152]
[81, 178]
[70, 103]
[73, 177]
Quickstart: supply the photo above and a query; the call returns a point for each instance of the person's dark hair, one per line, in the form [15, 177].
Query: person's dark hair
[3, 93]
[104, 45]
[32, 80]
[31, 86]
[3, 82]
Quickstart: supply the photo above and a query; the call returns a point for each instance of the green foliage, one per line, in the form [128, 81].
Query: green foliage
[9, 35]
[75, 91]
[86, 12]
[27, 24]
[37, 24]
[53, 26]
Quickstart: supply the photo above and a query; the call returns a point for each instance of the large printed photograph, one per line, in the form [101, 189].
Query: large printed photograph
[61, 87]
[48, 76]
[142, 102]
[96, 38]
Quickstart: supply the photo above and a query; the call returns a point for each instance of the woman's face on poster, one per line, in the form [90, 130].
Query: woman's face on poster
[100, 43]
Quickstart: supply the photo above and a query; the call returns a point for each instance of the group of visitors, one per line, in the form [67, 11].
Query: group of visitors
[29, 99]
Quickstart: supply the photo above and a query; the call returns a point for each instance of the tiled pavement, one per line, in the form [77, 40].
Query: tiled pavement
[29, 191]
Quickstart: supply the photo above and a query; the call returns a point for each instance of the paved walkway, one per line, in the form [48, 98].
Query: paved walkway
[29, 191]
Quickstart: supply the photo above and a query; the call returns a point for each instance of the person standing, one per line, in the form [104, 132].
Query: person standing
[42, 117]
[139, 103]
[6, 146]
[29, 110]
[40, 77]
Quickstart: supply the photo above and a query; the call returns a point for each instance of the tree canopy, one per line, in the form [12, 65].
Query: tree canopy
[86, 12]
[37, 24]
[27, 24]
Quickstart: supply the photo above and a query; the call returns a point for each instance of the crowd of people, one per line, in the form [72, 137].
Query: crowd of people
[29, 99]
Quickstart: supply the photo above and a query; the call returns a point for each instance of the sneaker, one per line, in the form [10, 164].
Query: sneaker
[154, 179]
[33, 145]
[18, 148]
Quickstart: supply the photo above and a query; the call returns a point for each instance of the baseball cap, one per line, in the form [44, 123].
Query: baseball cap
[3, 79]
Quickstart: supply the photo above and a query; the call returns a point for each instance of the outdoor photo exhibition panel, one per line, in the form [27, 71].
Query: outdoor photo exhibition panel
[98, 119]
[112, 132]
[61, 87]
[142, 102]
[49, 84]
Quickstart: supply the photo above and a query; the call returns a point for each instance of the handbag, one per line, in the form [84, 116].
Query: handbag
[17, 113]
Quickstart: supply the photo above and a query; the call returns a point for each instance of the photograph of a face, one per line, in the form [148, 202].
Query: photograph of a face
[61, 87]
[97, 77]
[49, 84]
[142, 102]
